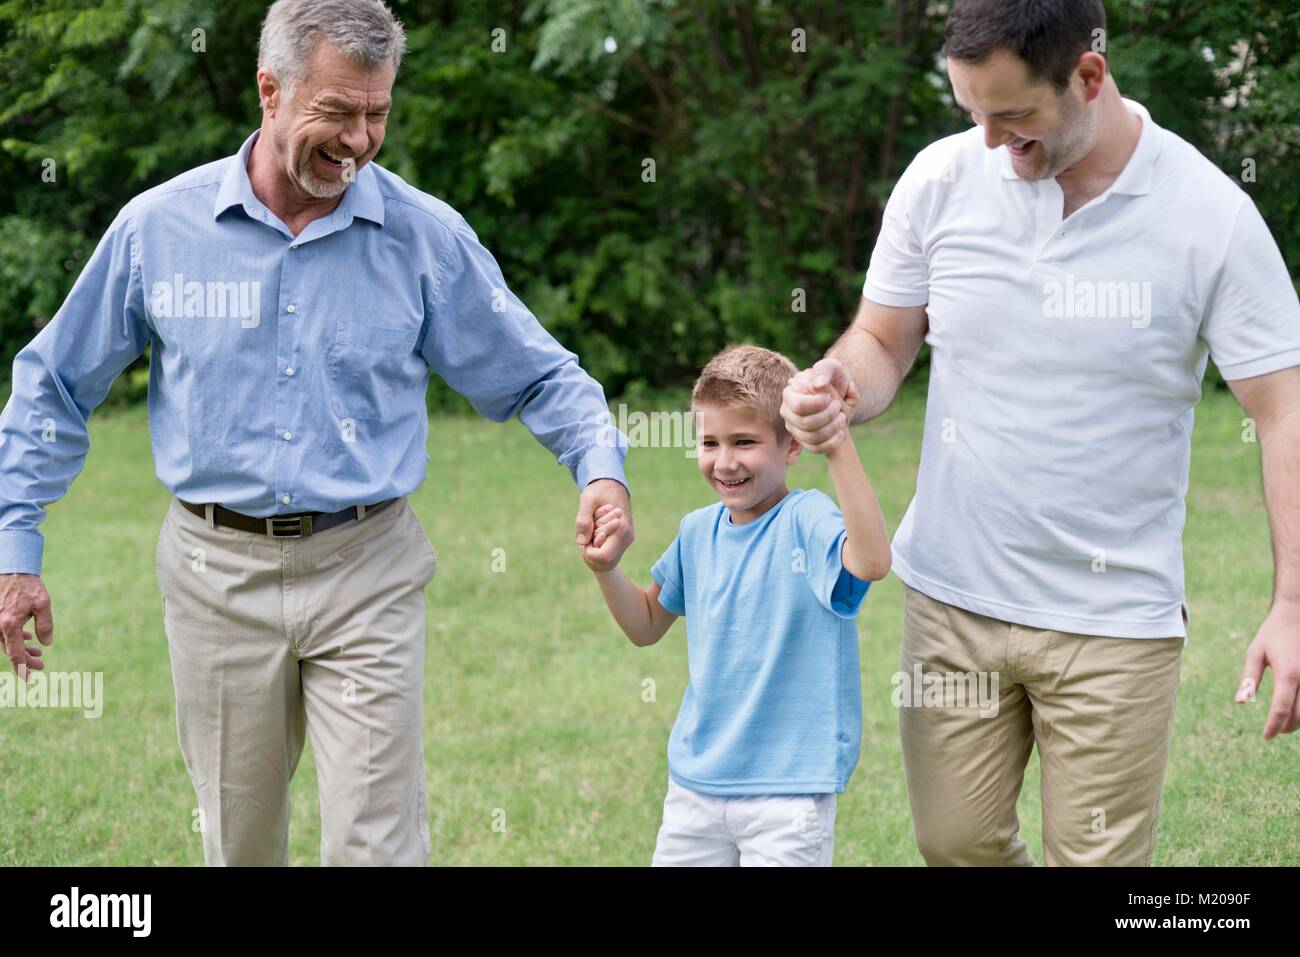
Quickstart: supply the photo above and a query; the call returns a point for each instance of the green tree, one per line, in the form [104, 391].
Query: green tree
[657, 178]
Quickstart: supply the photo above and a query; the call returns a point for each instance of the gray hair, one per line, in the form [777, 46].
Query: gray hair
[364, 30]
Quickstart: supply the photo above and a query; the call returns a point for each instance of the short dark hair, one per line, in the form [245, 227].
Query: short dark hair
[1048, 35]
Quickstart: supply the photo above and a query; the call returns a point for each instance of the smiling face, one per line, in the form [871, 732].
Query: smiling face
[738, 445]
[1046, 133]
[333, 123]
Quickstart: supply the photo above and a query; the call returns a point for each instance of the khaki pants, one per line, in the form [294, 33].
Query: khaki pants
[270, 638]
[1099, 709]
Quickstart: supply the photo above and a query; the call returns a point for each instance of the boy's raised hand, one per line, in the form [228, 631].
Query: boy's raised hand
[811, 411]
[609, 518]
[814, 381]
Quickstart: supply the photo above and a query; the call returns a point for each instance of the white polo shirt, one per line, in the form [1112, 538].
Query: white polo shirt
[1066, 360]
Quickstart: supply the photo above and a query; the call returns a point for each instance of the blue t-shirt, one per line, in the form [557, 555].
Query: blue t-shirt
[774, 703]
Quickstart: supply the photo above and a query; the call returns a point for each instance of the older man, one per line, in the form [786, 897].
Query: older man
[1070, 264]
[296, 296]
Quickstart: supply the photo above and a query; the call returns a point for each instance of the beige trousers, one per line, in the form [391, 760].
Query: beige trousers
[271, 638]
[1100, 711]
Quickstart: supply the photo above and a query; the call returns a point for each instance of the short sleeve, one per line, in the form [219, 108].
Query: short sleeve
[820, 531]
[1252, 318]
[668, 573]
[898, 274]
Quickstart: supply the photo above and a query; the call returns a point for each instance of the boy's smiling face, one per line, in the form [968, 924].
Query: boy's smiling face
[737, 444]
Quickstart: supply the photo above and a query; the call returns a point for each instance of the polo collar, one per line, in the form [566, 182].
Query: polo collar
[361, 198]
[1136, 177]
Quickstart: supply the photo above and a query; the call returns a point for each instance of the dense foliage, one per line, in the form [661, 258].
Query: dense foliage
[776, 130]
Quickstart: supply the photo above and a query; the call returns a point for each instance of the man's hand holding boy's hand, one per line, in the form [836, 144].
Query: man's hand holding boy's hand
[612, 527]
[599, 497]
[843, 398]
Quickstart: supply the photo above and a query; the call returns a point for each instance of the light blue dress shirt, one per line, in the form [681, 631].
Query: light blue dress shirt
[774, 701]
[288, 373]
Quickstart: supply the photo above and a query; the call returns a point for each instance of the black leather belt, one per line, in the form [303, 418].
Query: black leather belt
[298, 525]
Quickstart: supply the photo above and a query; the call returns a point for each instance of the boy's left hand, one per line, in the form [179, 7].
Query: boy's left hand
[609, 527]
[603, 547]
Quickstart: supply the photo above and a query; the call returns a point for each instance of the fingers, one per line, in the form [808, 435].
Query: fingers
[609, 519]
[815, 384]
[813, 404]
[803, 382]
[1294, 719]
[837, 432]
[33, 662]
[596, 499]
[1294, 722]
[12, 633]
[1281, 709]
[21, 657]
[44, 615]
[606, 557]
[825, 436]
[809, 413]
[610, 537]
[831, 372]
[583, 526]
[1252, 674]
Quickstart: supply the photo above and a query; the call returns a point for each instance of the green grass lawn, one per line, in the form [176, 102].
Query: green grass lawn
[534, 710]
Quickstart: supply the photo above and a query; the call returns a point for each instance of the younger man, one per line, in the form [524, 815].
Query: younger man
[770, 581]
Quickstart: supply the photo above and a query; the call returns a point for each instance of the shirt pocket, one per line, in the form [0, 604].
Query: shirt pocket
[366, 368]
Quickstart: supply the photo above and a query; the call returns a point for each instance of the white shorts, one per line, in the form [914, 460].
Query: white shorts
[779, 830]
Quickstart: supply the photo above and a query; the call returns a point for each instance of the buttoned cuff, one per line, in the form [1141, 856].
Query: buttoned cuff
[21, 552]
[602, 462]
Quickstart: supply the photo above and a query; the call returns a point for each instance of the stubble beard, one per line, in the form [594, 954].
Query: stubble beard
[1075, 141]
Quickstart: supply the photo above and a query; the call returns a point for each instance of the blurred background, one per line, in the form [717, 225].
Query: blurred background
[776, 129]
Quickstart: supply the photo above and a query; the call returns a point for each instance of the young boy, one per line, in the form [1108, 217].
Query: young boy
[770, 581]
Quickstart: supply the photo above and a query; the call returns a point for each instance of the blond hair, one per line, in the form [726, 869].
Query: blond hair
[746, 377]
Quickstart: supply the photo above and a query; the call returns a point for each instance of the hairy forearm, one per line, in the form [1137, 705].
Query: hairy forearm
[873, 370]
[866, 553]
[1280, 456]
[627, 603]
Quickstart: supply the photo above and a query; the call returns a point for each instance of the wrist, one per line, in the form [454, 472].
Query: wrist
[844, 447]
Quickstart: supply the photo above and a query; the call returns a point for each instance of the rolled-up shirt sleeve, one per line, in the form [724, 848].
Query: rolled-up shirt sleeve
[490, 348]
[58, 380]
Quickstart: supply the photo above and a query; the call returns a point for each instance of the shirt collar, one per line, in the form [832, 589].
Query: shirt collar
[1135, 179]
[361, 198]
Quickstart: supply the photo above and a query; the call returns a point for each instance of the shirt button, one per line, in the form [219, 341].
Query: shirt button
[285, 499]
[291, 308]
[289, 371]
[288, 436]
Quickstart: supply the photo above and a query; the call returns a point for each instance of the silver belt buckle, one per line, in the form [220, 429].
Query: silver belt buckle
[288, 526]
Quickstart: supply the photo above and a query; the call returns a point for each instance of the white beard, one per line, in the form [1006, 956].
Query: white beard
[314, 185]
